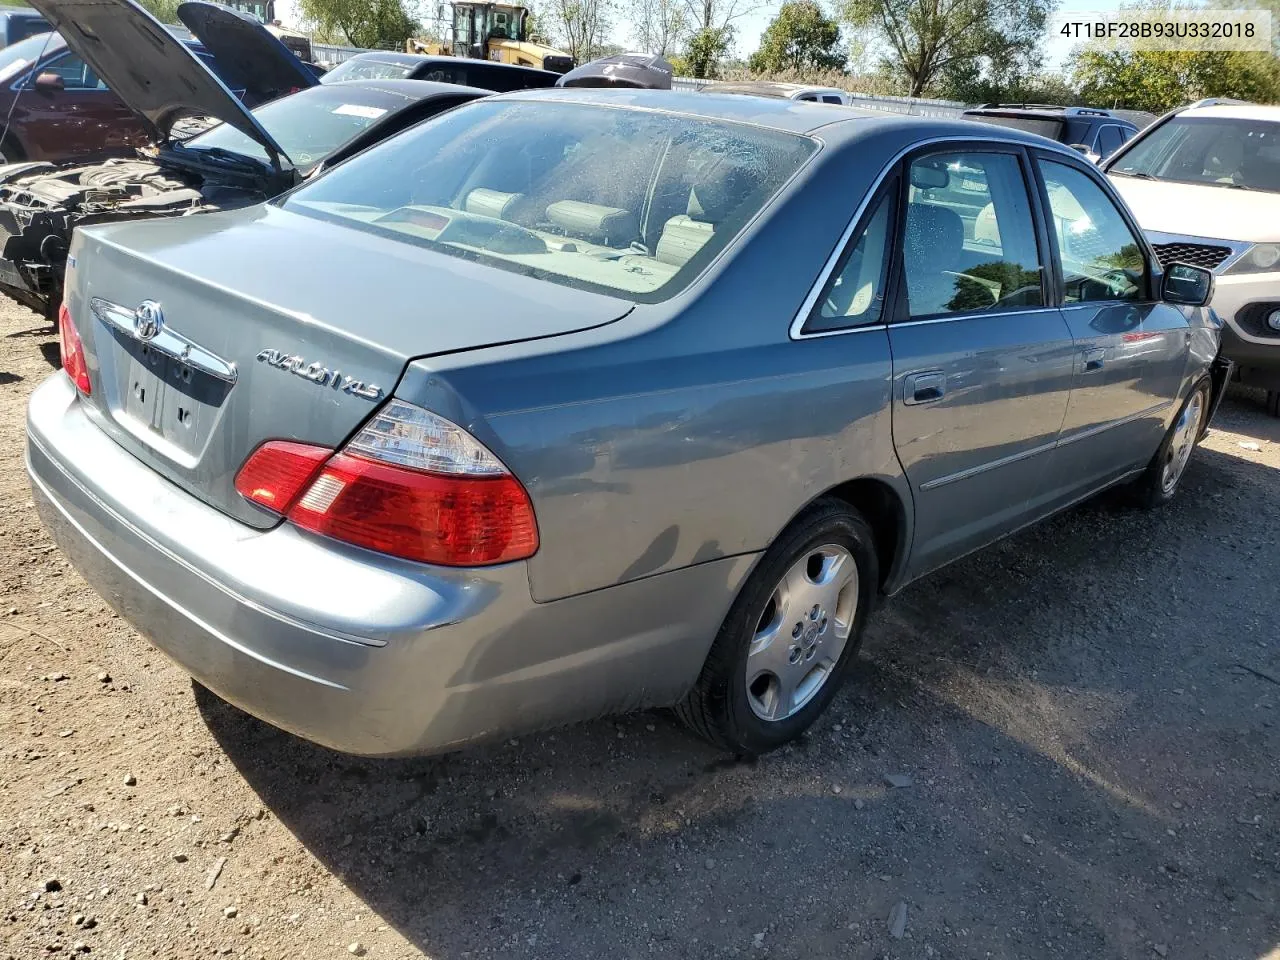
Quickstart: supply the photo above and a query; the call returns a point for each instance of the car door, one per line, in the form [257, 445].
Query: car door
[982, 358]
[1131, 348]
[82, 119]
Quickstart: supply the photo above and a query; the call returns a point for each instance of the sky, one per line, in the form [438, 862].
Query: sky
[751, 26]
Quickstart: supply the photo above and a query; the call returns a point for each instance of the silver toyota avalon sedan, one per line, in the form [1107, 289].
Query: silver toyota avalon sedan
[571, 402]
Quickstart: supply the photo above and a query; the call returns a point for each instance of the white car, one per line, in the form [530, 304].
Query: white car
[781, 91]
[1204, 183]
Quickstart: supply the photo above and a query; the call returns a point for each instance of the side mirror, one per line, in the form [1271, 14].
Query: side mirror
[1084, 149]
[50, 82]
[1187, 285]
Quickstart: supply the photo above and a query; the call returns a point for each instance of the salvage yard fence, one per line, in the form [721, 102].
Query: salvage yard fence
[911, 106]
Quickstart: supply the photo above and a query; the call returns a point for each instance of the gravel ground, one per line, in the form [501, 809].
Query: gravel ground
[1086, 715]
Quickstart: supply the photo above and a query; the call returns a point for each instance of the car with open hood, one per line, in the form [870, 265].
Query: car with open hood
[57, 104]
[243, 158]
[574, 401]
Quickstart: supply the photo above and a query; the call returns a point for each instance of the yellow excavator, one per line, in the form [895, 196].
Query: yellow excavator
[492, 31]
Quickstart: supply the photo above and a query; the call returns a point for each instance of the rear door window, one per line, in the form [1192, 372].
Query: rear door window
[969, 240]
[854, 296]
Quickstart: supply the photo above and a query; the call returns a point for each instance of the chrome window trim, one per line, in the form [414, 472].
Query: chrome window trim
[973, 315]
[795, 332]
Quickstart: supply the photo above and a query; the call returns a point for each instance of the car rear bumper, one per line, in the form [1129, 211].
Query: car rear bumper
[348, 648]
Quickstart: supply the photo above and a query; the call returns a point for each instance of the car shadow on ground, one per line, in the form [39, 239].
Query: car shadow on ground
[1044, 715]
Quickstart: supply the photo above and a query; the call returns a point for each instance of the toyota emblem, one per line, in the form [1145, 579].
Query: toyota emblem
[148, 320]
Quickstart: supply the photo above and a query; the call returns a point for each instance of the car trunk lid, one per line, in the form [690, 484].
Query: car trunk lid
[254, 343]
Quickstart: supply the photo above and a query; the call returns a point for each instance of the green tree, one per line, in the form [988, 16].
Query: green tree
[385, 24]
[801, 37]
[926, 38]
[1157, 80]
[972, 85]
[166, 11]
[706, 51]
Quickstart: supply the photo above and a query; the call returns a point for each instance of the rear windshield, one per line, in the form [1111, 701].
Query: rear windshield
[626, 202]
[1045, 126]
[358, 68]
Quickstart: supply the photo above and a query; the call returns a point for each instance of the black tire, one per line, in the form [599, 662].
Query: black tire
[719, 708]
[1152, 489]
[1273, 403]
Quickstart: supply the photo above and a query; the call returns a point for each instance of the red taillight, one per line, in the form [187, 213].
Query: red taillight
[278, 471]
[454, 520]
[410, 484]
[73, 361]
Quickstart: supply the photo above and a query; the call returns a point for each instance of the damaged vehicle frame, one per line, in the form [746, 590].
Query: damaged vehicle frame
[244, 159]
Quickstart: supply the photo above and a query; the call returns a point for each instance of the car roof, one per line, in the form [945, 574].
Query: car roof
[408, 90]
[1046, 111]
[1234, 111]
[837, 122]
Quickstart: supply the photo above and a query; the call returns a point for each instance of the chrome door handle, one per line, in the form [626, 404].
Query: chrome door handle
[924, 387]
[1094, 360]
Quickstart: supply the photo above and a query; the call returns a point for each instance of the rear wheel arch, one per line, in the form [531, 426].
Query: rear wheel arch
[886, 511]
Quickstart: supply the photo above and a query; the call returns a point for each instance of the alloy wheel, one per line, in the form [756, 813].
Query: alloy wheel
[1185, 433]
[802, 632]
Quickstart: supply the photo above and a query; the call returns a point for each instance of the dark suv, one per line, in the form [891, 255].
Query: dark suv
[1095, 132]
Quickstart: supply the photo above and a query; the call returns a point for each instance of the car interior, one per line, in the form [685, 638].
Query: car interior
[608, 206]
[969, 242]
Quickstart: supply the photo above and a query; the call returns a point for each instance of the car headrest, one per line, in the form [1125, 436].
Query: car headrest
[934, 234]
[611, 226]
[719, 188]
[490, 203]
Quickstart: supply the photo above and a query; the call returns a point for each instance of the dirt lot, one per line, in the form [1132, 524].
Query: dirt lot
[1087, 715]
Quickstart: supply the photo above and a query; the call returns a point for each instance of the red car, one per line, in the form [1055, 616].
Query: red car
[58, 109]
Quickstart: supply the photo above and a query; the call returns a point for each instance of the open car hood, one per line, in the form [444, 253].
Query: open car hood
[149, 68]
[248, 55]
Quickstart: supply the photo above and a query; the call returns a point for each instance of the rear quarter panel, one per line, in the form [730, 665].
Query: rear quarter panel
[693, 429]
